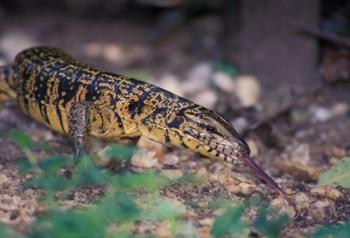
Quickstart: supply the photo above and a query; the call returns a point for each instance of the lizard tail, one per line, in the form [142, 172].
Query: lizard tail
[7, 83]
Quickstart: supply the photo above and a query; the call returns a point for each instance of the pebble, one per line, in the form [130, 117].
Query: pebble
[301, 199]
[248, 90]
[163, 231]
[336, 152]
[240, 124]
[171, 159]
[171, 83]
[172, 173]
[323, 114]
[321, 208]
[327, 191]
[202, 173]
[224, 82]
[144, 159]
[299, 153]
[320, 114]
[254, 150]
[198, 78]
[280, 204]
[207, 98]
[243, 188]
[13, 42]
[206, 222]
[114, 54]
[147, 144]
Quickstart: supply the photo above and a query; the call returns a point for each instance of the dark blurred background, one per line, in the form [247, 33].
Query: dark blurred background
[246, 50]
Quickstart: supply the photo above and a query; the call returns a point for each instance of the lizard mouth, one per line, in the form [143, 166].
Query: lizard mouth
[250, 163]
[238, 151]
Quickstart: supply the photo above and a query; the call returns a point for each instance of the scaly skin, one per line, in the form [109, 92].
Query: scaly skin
[79, 101]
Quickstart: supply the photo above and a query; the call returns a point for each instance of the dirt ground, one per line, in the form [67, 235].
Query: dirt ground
[294, 137]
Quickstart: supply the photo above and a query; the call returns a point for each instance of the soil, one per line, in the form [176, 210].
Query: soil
[287, 137]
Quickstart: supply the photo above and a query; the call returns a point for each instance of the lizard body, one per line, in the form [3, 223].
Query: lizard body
[79, 101]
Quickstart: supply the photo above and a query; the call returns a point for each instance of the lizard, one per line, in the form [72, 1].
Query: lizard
[80, 101]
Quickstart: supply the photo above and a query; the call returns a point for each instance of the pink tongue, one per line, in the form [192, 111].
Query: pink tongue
[259, 172]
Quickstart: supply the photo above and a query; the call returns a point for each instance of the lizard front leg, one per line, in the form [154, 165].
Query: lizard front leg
[78, 126]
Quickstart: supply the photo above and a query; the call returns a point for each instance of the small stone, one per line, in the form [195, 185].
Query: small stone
[204, 232]
[254, 151]
[336, 152]
[243, 188]
[280, 204]
[163, 231]
[248, 90]
[144, 159]
[147, 144]
[240, 124]
[114, 53]
[171, 83]
[224, 82]
[301, 199]
[320, 114]
[172, 173]
[327, 191]
[340, 109]
[206, 222]
[171, 159]
[321, 208]
[198, 78]
[202, 173]
[206, 98]
[299, 153]
[93, 49]
[13, 42]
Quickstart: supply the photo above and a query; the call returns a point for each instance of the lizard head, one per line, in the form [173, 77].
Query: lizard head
[7, 79]
[208, 133]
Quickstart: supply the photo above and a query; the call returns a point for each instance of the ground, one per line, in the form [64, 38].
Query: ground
[294, 137]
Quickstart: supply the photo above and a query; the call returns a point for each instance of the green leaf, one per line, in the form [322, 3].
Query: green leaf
[120, 152]
[334, 231]
[117, 206]
[21, 138]
[338, 175]
[48, 182]
[225, 68]
[271, 226]
[24, 166]
[7, 232]
[53, 164]
[147, 180]
[229, 222]
[69, 225]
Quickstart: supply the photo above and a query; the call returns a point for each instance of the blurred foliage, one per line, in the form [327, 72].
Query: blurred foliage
[21, 138]
[334, 231]
[232, 221]
[338, 175]
[225, 68]
[270, 226]
[229, 223]
[119, 152]
[7, 232]
[127, 199]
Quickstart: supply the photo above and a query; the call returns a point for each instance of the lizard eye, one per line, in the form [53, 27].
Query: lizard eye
[210, 128]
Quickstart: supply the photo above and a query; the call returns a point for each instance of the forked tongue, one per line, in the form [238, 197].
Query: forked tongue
[261, 174]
